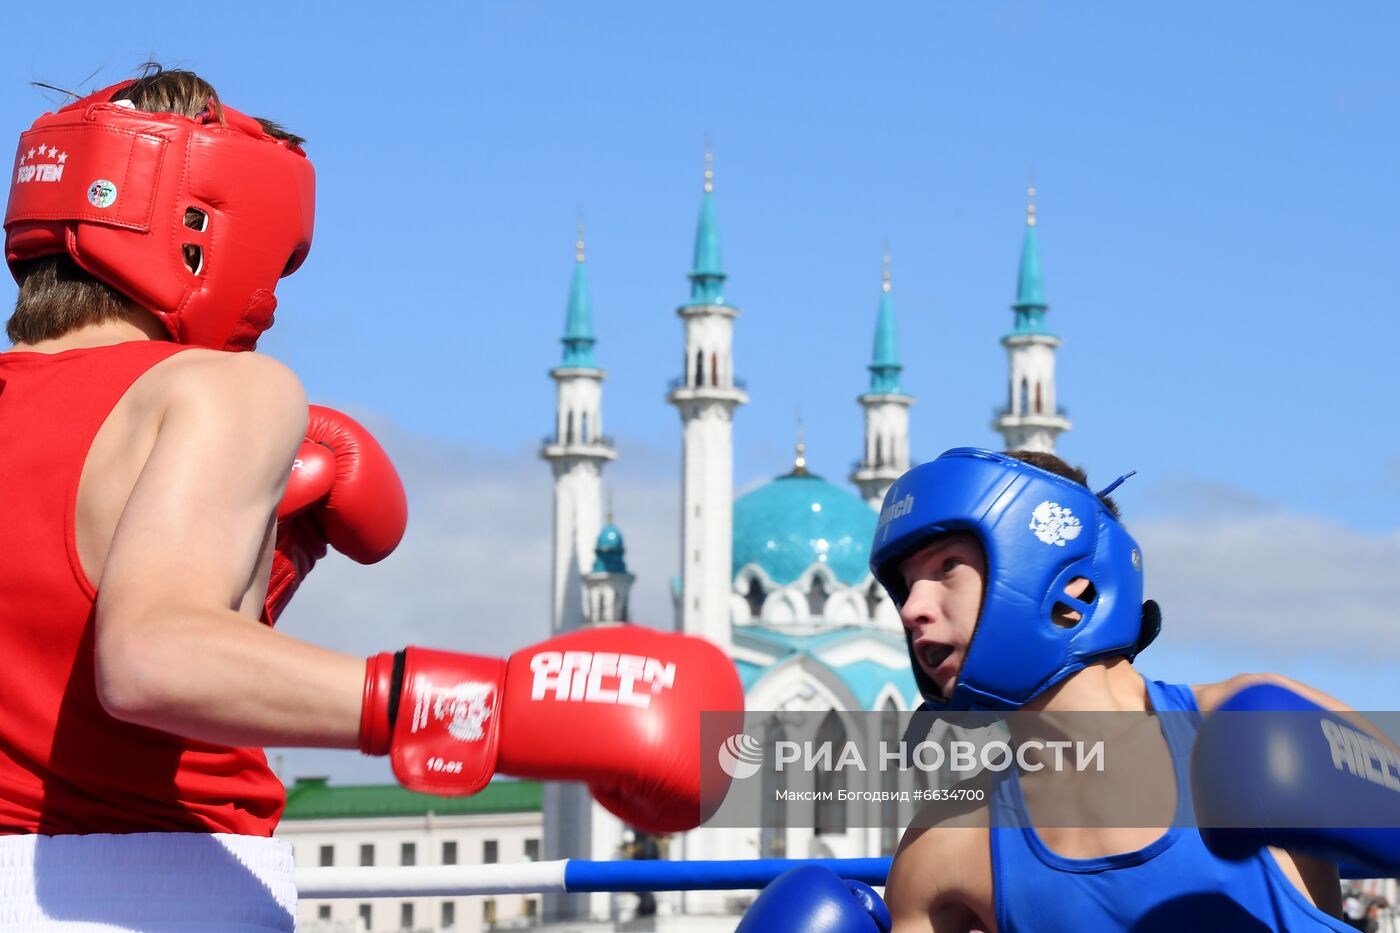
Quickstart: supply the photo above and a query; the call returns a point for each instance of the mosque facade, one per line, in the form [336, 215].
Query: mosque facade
[777, 577]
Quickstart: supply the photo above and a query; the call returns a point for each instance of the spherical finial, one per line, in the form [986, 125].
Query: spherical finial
[799, 463]
[578, 244]
[1030, 205]
[709, 167]
[885, 274]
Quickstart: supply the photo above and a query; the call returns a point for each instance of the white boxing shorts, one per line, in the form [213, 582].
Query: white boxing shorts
[147, 882]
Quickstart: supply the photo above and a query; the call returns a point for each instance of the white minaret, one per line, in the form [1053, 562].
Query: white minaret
[886, 409]
[706, 396]
[576, 452]
[1032, 418]
[574, 826]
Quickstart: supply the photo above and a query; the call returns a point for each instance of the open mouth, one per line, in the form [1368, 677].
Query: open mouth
[933, 655]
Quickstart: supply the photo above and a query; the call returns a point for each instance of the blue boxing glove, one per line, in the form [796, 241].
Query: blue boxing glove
[812, 899]
[1271, 768]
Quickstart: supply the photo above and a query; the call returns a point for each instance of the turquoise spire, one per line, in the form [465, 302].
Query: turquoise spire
[707, 273]
[1030, 306]
[578, 327]
[884, 362]
[609, 553]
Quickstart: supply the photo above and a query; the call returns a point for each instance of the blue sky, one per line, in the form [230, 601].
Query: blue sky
[1218, 189]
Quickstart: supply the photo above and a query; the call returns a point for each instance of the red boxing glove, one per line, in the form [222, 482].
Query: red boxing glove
[617, 707]
[344, 492]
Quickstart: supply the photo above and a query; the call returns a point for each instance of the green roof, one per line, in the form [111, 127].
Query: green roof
[315, 799]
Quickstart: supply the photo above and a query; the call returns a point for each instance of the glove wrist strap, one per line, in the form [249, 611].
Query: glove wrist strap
[383, 674]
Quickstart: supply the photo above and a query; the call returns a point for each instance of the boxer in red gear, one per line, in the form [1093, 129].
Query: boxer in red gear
[146, 468]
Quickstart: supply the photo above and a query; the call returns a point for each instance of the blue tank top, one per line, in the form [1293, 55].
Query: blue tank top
[1172, 884]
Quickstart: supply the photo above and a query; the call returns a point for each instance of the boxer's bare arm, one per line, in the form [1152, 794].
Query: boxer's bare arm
[941, 878]
[1209, 696]
[172, 651]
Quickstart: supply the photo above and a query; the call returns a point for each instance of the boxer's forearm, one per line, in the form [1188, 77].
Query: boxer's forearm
[1222, 692]
[219, 677]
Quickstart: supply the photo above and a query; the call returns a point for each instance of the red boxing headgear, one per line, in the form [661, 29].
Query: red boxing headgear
[111, 185]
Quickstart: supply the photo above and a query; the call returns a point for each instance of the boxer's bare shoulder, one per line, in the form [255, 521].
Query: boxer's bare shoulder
[941, 879]
[258, 401]
[217, 377]
[1210, 696]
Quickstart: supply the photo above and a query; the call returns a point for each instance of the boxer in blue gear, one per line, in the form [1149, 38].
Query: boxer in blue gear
[812, 899]
[1019, 588]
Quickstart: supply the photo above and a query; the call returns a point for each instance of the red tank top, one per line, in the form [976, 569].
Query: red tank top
[65, 765]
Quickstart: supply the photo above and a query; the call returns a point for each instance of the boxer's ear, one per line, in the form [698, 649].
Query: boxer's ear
[1151, 627]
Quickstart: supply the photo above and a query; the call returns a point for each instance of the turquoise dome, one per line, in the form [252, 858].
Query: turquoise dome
[609, 551]
[798, 520]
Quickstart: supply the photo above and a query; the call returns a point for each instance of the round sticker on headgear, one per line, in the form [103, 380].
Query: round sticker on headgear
[102, 193]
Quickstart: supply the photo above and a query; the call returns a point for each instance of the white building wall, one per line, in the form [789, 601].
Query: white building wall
[579, 396]
[706, 398]
[578, 491]
[886, 445]
[707, 528]
[510, 831]
[887, 422]
[1033, 361]
[708, 339]
[1031, 421]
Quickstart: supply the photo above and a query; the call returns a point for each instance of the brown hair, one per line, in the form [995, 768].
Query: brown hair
[55, 294]
[1054, 464]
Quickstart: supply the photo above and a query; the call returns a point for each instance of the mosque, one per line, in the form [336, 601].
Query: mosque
[778, 577]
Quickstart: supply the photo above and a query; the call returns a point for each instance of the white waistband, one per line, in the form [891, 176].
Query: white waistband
[152, 882]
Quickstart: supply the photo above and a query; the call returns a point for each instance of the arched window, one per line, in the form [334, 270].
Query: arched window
[754, 597]
[699, 368]
[714, 369]
[772, 842]
[583, 432]
[1025, 398]
[873, 596]
[816, 597]
[879, 452]
[831, 810]
[569, 430]
[1038, 407]
[889, 781]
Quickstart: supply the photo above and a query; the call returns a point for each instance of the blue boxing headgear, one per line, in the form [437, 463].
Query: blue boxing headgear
[1039, 531]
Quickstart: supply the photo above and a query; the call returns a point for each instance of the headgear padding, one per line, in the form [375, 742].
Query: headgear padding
[1039, 531]
[110, 186]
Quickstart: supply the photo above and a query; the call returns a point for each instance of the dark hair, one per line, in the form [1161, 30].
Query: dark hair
[1055, 465]
[55, 294]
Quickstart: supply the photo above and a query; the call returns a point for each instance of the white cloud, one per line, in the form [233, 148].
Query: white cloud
[1266, 582]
